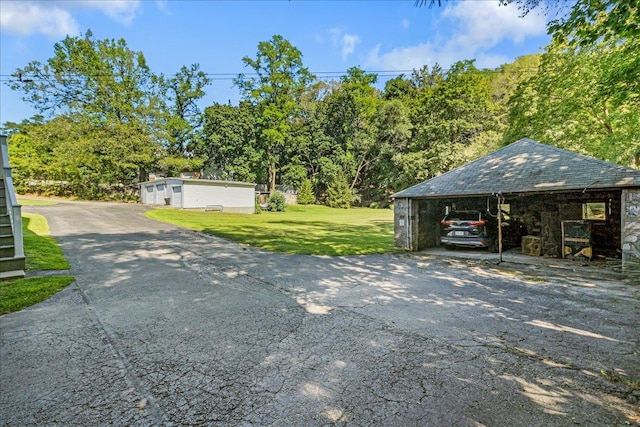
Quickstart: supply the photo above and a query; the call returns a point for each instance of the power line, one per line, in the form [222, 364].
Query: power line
[320, 75]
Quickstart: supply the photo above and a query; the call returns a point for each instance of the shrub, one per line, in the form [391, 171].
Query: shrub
[339, 194]
[275, 202]
[305, 195]
[258, 209]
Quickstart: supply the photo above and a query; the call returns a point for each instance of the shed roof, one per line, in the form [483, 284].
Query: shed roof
[526, 166]
[210, 182]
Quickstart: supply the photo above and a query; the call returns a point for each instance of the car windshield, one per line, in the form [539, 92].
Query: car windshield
[464, 216]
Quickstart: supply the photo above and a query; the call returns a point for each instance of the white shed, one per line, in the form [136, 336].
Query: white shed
[228, 196]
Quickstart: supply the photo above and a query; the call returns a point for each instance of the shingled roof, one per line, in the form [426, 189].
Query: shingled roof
[526, 166]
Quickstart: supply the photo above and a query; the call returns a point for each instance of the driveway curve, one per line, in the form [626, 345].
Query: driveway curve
[165, 326]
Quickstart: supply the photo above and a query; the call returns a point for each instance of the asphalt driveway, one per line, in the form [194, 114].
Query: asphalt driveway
[165, 326]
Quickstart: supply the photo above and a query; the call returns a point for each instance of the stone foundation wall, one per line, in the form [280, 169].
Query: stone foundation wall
[400, 223]
[631, 229]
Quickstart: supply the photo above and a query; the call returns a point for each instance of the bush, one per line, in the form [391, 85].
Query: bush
[275, 202]
[339, 194]
[258, 209]
[305, 195]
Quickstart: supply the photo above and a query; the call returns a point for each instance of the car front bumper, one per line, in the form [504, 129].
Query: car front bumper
[472, 242]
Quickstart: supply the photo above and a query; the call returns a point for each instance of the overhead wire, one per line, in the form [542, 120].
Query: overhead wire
[319, 75]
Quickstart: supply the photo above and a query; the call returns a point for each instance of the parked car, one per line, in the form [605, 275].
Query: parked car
[472, 228]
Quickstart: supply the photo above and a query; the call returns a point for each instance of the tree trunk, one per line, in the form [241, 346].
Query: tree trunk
[272, 178]
[361, 166]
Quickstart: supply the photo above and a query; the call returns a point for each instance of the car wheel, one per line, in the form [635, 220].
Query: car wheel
[449, 247]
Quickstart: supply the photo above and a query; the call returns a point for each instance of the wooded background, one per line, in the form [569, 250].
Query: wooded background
[106, 120]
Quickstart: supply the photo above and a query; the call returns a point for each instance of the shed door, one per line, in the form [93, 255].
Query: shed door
[160, 194]
[150, 196]
[176, 200]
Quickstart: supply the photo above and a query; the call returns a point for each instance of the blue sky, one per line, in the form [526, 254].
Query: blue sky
[385, 36]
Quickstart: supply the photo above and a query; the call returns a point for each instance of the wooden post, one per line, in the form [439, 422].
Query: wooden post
[500, 227]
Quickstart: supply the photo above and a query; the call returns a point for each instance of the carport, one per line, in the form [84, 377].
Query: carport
[572, 205]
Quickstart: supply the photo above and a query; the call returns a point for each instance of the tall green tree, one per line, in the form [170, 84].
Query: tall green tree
[108, 90]
[102, 79]
[583, 21]
[280, 80]
[392, 136]
[305, 193]
[229, 143]
[454, 112]
[351, 110]
[183, 117]
[311, 148]
[570, 103]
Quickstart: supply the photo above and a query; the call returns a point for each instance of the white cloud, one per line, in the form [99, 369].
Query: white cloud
[477, 26]
[24, 18]
[341, 40]
[123, 11]
[405, 23]
[55, 18]
[485, 24]
[349, 42]
[163, 6]
[406, 58]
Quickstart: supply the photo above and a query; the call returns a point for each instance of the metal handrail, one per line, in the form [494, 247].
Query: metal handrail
[13, 207]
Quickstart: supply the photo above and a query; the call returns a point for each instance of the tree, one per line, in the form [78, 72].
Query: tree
[593, 20]
[102, 79]
[229, 143]
[184, 118]
[339, 194]
[280, 80]
[305, 194]
[392, 135]
[106, 91]
[310, 147]
[70, 156]
[351, 109]
[454, 110]
[585, 21]
[570, 103]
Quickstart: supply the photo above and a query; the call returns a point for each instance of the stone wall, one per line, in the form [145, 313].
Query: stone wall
[417, 221]
[400, 223]
[428, 224]
[543, 214]
[631, 229]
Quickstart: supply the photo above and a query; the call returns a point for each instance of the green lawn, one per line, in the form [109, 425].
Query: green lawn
[42, 253]
[18, 294]
[317, 230]
[35, 202]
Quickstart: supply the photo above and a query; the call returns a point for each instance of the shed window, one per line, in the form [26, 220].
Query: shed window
[594, 211]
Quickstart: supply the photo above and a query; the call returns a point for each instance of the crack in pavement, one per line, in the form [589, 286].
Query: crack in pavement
[148, 402]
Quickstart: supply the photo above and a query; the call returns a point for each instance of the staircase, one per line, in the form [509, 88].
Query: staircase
[11, 243]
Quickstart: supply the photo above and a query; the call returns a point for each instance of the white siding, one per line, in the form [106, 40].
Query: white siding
[160, 193]
[195, 194]
[148, 195]
[231, 197]
[176, 196]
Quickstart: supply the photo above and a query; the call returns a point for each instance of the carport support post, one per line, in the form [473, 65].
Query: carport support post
[500, 200]
[630, 221]
[409, 226]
